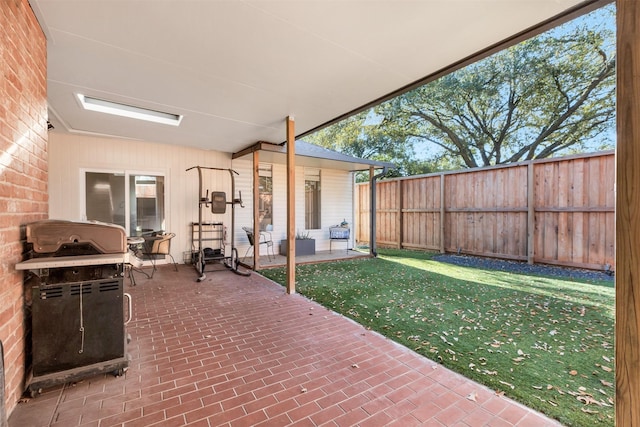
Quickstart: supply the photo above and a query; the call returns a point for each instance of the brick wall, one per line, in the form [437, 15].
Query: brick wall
[23, 171]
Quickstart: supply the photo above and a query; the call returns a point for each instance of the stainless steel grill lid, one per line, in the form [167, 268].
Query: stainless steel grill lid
[49, 236]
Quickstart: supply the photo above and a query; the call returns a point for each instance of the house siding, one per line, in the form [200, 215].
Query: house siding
[70, 154]
[337, 202]
[244, 216]
[336, 192]
[23, 174]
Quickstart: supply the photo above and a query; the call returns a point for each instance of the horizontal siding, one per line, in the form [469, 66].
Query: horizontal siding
[69, 154]
[244, 216]
[337, 204]
[336, 192]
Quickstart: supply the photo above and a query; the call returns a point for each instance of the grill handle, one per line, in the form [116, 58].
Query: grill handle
[130, 308]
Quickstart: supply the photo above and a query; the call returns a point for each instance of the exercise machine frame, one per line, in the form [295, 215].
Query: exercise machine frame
[199, 259]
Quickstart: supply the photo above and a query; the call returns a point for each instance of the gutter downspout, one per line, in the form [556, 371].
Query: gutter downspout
[372, 219]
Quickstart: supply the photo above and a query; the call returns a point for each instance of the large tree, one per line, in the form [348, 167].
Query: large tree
[356, 137]
[552, 94]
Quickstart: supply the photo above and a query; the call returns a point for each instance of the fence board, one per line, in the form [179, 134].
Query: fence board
[487, 211]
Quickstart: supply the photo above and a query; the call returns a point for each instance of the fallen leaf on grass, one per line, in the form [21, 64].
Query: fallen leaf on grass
[573, 372]
[606, 383]
[606, 368]
[588, 400]
[507, 384]
[588, 411]
[445, 340]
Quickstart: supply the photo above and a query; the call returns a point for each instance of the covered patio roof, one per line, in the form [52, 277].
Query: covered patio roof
[235, 69]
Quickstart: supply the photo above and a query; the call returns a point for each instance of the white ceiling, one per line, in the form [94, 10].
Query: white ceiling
[236, 69]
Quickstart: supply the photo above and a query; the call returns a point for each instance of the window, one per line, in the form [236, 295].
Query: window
[311, 199]
[146, 195]
[105, 200]
[136, 202]
[265, 191]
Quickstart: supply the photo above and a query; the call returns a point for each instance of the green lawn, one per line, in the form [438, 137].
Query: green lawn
[545, 342]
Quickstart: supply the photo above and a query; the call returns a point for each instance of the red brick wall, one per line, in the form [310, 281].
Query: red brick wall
[23, 171]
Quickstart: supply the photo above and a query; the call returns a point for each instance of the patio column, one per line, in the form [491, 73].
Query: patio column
[256, 208]
[627, 329]
[291, 205]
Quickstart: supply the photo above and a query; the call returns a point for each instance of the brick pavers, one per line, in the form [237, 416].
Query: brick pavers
[238, 351]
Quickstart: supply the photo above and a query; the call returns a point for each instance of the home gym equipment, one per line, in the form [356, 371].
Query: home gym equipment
[213, 234]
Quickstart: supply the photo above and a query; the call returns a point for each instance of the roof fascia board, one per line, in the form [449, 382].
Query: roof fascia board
[361, 165]
[260, 146]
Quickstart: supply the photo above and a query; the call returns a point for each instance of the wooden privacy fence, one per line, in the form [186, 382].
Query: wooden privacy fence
[552, 211]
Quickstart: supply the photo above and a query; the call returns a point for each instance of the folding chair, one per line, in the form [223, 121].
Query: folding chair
[159, 245]
[264, 238]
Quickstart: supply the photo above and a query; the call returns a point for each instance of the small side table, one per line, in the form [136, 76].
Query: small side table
[133, 242]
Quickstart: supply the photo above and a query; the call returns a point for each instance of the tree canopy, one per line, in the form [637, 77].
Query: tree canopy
[550, 95]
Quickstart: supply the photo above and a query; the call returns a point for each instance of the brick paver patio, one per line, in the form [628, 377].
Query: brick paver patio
[238, 351]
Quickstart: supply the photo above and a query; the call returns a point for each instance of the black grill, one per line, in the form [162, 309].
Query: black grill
[77, 307]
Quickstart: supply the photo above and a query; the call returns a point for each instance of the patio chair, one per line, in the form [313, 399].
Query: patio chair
[338, 233]
[264, 238]
[159, 245]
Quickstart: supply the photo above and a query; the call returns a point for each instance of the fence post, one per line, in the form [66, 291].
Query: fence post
[531, 213]
[372, 212]
[399, 219]
[442, 214]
